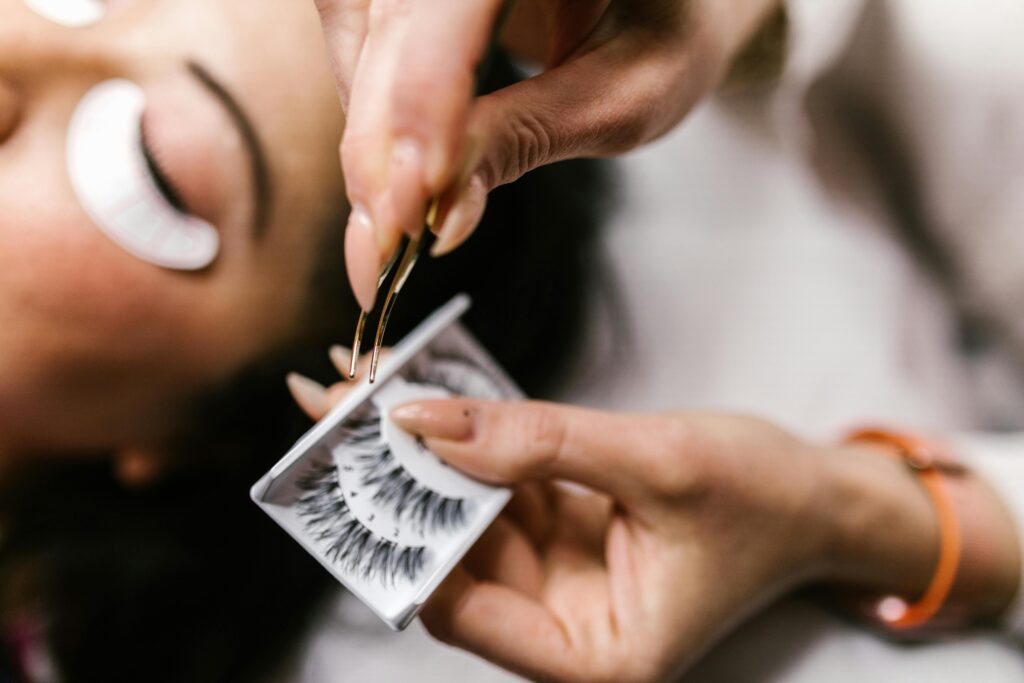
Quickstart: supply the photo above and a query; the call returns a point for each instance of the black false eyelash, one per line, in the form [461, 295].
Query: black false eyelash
[392, 484]
[156, 172]
[328, 518]
[410, 500]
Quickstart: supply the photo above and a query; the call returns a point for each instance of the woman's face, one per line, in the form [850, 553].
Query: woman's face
[99, 348]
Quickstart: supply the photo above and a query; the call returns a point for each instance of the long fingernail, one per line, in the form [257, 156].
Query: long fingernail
[309, 394]
[362, 257]
[452, 420]
[471, 160]
[462, 218]
[406, 191]
[340, 358]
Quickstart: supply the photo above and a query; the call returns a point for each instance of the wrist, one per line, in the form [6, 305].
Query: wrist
[884, 531]
[886, 534]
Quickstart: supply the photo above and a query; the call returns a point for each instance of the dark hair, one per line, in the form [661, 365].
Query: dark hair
[187, 580]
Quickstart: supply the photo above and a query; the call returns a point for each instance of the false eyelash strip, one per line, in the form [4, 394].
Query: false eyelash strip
[393, 487]
[368, 500]
[328, 517]
[396, 488]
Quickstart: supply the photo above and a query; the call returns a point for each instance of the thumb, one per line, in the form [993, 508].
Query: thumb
[514, 442]
[605, 102]
[602, 102]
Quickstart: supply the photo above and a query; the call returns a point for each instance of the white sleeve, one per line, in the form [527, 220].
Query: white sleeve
[999, 458]
[820, 32]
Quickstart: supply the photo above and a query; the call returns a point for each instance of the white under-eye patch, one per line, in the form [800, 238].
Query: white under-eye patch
[109, 174]
[74, 13]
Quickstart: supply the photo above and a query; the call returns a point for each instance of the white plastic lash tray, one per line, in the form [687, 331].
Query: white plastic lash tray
[377, 509]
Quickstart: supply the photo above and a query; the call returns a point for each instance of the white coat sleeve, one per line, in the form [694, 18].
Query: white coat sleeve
[999, 458]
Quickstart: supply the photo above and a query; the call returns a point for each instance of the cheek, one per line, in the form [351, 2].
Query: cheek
[85, 329]
[56, 268]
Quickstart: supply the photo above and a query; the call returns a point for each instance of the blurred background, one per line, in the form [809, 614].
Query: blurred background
[832, 242]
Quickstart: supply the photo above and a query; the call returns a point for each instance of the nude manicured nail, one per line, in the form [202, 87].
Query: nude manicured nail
[309, 394]
[363, 260]
[340, 357]
[406, 191]
[452, 420]
[462, 218]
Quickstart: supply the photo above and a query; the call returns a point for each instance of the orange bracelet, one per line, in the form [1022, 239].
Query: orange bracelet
[930, 463]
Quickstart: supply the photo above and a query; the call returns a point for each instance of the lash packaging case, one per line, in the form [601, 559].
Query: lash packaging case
[368, 500]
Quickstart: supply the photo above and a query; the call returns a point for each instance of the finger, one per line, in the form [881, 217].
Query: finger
[463, 215]
[462, 205]
[310, 395]
[373, 229]
[337, 393]
[341, 358]
[500, 625]
[505, 555]
[512, 442]
[604, 101]
[420, 102]
[344, 24]
[315, 399]
[573, 20]
[433, 88]
[532, 510]
[582, 516]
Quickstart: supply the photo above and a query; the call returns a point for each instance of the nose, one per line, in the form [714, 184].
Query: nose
[38, 58]
[10, 110]
[35, 52]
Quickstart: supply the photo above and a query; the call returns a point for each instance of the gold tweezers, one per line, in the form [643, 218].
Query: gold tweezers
[409, 250]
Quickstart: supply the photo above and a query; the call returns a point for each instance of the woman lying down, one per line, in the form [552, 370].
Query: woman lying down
[172, 246]
[174, 243]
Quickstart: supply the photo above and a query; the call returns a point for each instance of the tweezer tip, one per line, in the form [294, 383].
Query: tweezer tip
[353, 362]
[374, 361]
[357, 343]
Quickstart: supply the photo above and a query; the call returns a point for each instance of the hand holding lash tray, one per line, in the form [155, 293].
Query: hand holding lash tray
[381, 512]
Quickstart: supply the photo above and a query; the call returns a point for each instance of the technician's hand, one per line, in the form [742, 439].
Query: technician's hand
[619, 73]
[696, 522]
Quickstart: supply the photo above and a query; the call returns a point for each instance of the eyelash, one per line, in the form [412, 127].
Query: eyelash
[160, 178]
[397, 488]
[328, 517]
[394, 486]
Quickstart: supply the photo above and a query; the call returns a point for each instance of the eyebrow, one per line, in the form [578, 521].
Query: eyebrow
[250, 139]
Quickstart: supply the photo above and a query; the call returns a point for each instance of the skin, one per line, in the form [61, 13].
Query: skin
[688, 524]
[606, 585]
[99, 351]
[617, 74]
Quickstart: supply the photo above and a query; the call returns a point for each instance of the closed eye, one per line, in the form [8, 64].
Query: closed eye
[160, 178]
